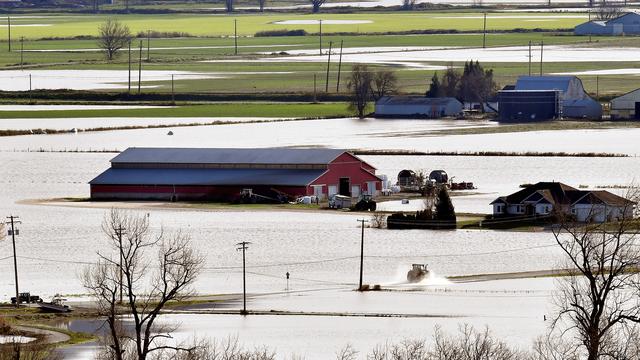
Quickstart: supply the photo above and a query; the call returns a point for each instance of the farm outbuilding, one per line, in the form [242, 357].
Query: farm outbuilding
[627, 24]
[528, 105]
[626, 106]
[574, 101]
[417, 106]
[223, 174]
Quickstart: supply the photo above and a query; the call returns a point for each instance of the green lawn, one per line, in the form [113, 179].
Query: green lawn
[274, 110]
[65, 25]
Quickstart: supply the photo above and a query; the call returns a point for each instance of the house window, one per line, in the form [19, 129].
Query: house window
[499, 209]
[520, 208]
[573, 211]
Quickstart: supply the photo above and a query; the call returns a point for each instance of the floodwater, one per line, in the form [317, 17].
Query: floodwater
[112, 122]
[23, 80]
[418, 135]
[320, 250]
[4, 339]
[74, 107]
[510, 54]
[603, 72]
[165, 48]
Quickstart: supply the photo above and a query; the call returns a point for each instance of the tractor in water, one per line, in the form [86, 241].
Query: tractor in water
[417, 273]
[365, 203]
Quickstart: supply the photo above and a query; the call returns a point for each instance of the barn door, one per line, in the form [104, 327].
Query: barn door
[345, 187]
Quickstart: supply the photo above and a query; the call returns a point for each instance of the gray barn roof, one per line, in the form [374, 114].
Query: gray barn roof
[544, 83]
[227, 156]
[415, 100]
[219, 177]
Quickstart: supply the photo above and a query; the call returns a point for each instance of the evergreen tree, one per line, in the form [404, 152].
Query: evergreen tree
[434, 88]
[444, 207]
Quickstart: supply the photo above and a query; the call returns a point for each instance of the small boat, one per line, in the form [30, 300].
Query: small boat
[56, 305]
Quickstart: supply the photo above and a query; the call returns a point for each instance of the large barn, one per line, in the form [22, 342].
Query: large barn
[222, 174]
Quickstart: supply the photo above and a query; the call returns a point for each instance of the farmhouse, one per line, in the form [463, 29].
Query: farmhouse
[222, 174]
[573, 101]
[626, 106]
[417, 106]
[545, 198]
[627, 24]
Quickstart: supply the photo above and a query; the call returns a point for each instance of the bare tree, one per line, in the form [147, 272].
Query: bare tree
[384, 83]
[600, 295]
[147, 288]
[113, 37]
[228, 4]
[608, 9]
[316, 5]
[408, 4]
[471, 344]
[360, 87]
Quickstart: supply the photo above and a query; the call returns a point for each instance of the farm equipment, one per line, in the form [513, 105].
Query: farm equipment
[339, 202]
[365, 203]
[27, 298]
[417, 273]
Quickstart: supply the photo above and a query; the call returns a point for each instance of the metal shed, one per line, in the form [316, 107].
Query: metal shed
[529, 105]
[417, 106]
[626, 106]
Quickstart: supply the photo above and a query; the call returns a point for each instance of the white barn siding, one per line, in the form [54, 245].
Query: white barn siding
[624, 107]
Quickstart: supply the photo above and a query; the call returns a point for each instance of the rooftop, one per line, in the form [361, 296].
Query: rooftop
[227, 156]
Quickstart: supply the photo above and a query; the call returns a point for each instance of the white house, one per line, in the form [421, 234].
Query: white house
[417, 106]
[545, 198]
[627, 24]
[626, 106]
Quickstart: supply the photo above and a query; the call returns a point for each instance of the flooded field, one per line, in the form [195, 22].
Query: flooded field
[419, 135]
[110, 122]
[319, 249]
[510, 54]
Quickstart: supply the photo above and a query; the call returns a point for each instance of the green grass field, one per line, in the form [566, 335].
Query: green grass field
[273, 110]
[64, 25]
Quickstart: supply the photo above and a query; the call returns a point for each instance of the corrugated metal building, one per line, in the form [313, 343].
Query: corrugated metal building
[222, 174]
[528, 105]
[627, 24]
[626, 106]
[417, 106]
[575, 103]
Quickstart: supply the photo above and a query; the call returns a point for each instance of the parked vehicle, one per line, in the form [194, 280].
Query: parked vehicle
[56, 305]
[339, 202]
[27, 298]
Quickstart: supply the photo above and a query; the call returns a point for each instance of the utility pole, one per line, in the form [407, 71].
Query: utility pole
[484, 32]
[140, 68]
[9, 32]
[148, 45]
[173, 95]
[29, 88]
[287, 275]
[21, 53]
[235, 35]
[326, 84]
[541, 51]
[319, 21]
[597, 88]
[339, 68]
[315, 98]
[362, 221]
[129, 67]
[529, 57]
[13, 232]
[243, 246]
[119, 232]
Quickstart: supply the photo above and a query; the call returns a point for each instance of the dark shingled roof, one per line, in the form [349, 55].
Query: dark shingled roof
[552, 190]
[220, 177]
[227, 156]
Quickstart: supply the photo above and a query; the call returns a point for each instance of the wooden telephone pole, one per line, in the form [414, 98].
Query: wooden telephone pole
[243, 246]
